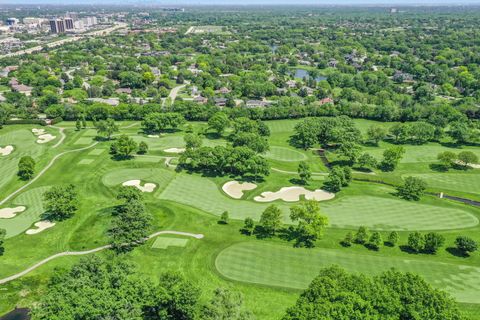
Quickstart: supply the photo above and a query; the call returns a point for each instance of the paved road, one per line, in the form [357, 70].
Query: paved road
[81, 253]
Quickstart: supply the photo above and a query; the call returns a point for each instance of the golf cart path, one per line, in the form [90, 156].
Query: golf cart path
[62, 134]
[81, 253]
[43, 171]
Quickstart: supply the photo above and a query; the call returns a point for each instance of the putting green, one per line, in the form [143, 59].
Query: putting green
[164, 243]
[284, 266]
[394, 214]
[285, 154]
[32, 199]
[153, 175]
[24, 143]
[452, 181]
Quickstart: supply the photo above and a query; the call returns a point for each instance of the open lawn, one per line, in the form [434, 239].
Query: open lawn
[283, 266]
[285, 154]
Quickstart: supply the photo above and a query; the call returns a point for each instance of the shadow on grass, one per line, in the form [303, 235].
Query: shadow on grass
[457, 253]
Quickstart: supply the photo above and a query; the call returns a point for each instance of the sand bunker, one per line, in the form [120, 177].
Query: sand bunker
[235, 189]
[175, 150]
[38, 132]
[7, 213]
[471, 165]
[153, 136]
[44, 138]
[292, 194]
[6, 151]
[41, 225]
[147, 187]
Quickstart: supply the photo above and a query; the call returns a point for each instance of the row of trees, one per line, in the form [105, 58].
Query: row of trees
[222, 160]
[310, 224]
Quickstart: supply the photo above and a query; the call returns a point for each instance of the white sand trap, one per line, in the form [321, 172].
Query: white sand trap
[6, 150]
[38, 132]
[7, 213]
[153, 136]
[175, 150]
[292, 194]
[41, 225]
[44, 138]
[235, 189]
[471, 165]
[147, 187]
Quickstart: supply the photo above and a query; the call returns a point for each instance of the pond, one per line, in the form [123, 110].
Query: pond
[17, 314]
[302, 73]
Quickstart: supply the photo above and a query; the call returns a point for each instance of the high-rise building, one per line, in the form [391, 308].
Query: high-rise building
[12, 21]
[69, 24]
[57, 26]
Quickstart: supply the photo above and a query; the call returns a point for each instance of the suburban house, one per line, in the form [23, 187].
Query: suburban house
[291, 84]
[220, 102]
[325, 100]
[200, 99]
[21, 88]
[256, 104]
[124, 90]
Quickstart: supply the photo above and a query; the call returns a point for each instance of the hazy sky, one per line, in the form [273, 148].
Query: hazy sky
[246, 2]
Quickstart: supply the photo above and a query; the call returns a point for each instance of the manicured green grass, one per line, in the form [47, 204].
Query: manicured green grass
[24, 144]
[285, 154]
[280, 265]
[96, 152]
[155, 175]
[165, 242]
[382, 213]
[419, 153]
[86, 161]
[32, 199]
[204, 194]
[84, 141]
[452, 181]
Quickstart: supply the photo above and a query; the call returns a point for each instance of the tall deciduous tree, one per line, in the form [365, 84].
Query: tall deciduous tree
[310, 223]
[61, 202]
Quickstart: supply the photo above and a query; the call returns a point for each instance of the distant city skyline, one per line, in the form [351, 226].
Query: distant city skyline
[250, 2]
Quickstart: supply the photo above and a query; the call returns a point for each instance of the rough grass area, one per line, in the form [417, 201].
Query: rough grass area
[391, 214]
[32, 199]
[164, 242]
[285, 154]
[452, 181]
[278, 265]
